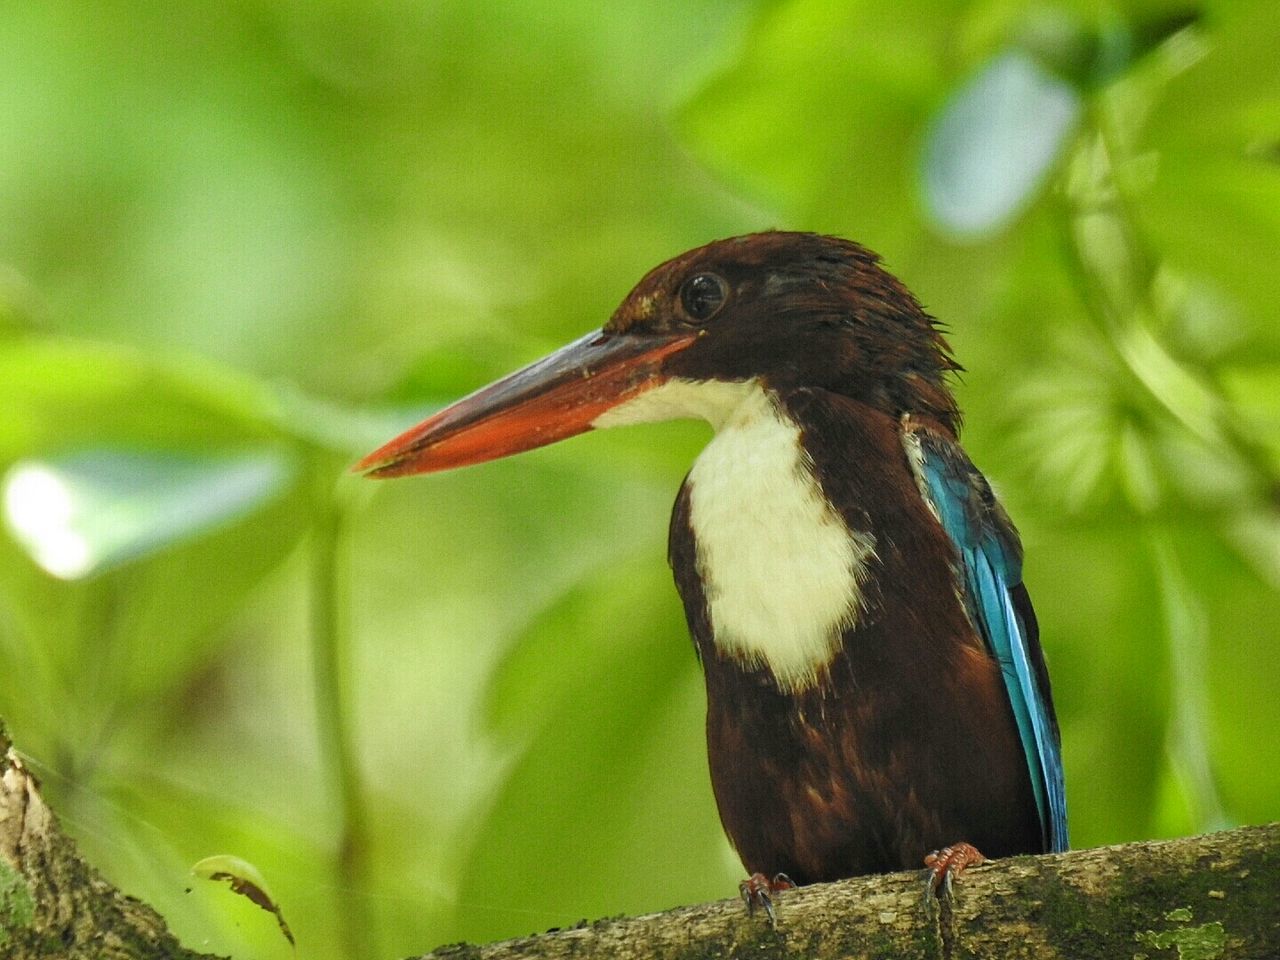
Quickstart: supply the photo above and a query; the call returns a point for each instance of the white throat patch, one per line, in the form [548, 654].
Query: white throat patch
[781, 570]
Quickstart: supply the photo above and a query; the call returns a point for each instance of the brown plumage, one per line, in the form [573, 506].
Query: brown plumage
[908, 743]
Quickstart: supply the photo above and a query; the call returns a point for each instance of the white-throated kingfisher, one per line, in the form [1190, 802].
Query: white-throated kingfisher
[875, 684]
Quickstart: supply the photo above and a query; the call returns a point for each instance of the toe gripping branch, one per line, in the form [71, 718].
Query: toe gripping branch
[942, 867]
[758, 891]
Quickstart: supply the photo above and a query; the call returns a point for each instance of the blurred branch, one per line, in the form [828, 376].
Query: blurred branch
[1209, 897]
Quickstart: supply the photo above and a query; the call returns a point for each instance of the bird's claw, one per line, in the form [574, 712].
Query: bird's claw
[758, 891]
[943, 866]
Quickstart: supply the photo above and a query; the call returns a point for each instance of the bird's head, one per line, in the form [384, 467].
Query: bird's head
[786, 310]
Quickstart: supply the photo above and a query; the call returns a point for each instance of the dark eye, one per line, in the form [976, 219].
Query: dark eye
[702, 296]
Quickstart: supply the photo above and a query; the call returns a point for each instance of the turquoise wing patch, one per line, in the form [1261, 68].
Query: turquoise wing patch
[990, 561]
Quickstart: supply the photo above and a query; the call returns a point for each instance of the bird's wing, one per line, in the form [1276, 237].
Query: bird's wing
[990, 569]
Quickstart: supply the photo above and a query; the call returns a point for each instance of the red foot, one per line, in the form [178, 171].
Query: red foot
[943, 866]
[758, 891]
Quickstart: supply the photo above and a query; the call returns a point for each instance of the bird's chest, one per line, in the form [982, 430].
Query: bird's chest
[780, 570]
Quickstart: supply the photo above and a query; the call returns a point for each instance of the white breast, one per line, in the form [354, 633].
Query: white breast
[781, 570]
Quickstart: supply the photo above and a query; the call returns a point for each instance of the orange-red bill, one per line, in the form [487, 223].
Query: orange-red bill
[556, 397]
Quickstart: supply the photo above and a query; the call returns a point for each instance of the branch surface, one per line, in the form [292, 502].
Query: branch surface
[1215, 897]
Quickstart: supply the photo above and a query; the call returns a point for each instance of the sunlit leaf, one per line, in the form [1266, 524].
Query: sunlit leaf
[994, 142]
[84, 512]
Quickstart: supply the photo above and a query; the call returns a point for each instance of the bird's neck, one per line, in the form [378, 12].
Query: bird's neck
[781, 569]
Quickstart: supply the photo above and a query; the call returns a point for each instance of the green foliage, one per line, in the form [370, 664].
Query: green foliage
[241, 245]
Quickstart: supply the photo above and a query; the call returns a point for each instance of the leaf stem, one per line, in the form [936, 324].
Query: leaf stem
[331, 669]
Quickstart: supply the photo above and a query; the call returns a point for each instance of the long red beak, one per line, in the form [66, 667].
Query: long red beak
[556, 397]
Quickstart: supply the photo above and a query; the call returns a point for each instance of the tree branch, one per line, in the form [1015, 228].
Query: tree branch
[1215, 897]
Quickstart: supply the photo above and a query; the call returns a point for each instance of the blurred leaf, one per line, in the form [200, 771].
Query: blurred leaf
[1201, 323]
[123, 454]
[1213, 206]
[1188, 631]
[19, 302]
[341, 429]
[452, 370]
[1253, 389]
[1255, 534]
[58, 394]
[95, 655]
[603, 701]
[246, 880]
[1093, 45]
[88, 511]
[824, 112]
[821, 106]
[1239, 706]
[994, 142]
[1070, 418]
[1112, 696]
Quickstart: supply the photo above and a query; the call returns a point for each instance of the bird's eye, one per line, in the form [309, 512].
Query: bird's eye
[702, 296]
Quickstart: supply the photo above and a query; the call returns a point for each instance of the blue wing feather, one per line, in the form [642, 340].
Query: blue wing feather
[991, 569]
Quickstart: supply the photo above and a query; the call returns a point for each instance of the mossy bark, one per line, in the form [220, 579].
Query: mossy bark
[52, 903]
[1215, 897]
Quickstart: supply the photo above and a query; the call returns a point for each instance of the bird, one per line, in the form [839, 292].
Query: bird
[876, 688]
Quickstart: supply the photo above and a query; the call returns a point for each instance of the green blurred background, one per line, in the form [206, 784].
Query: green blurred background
[242, 243]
